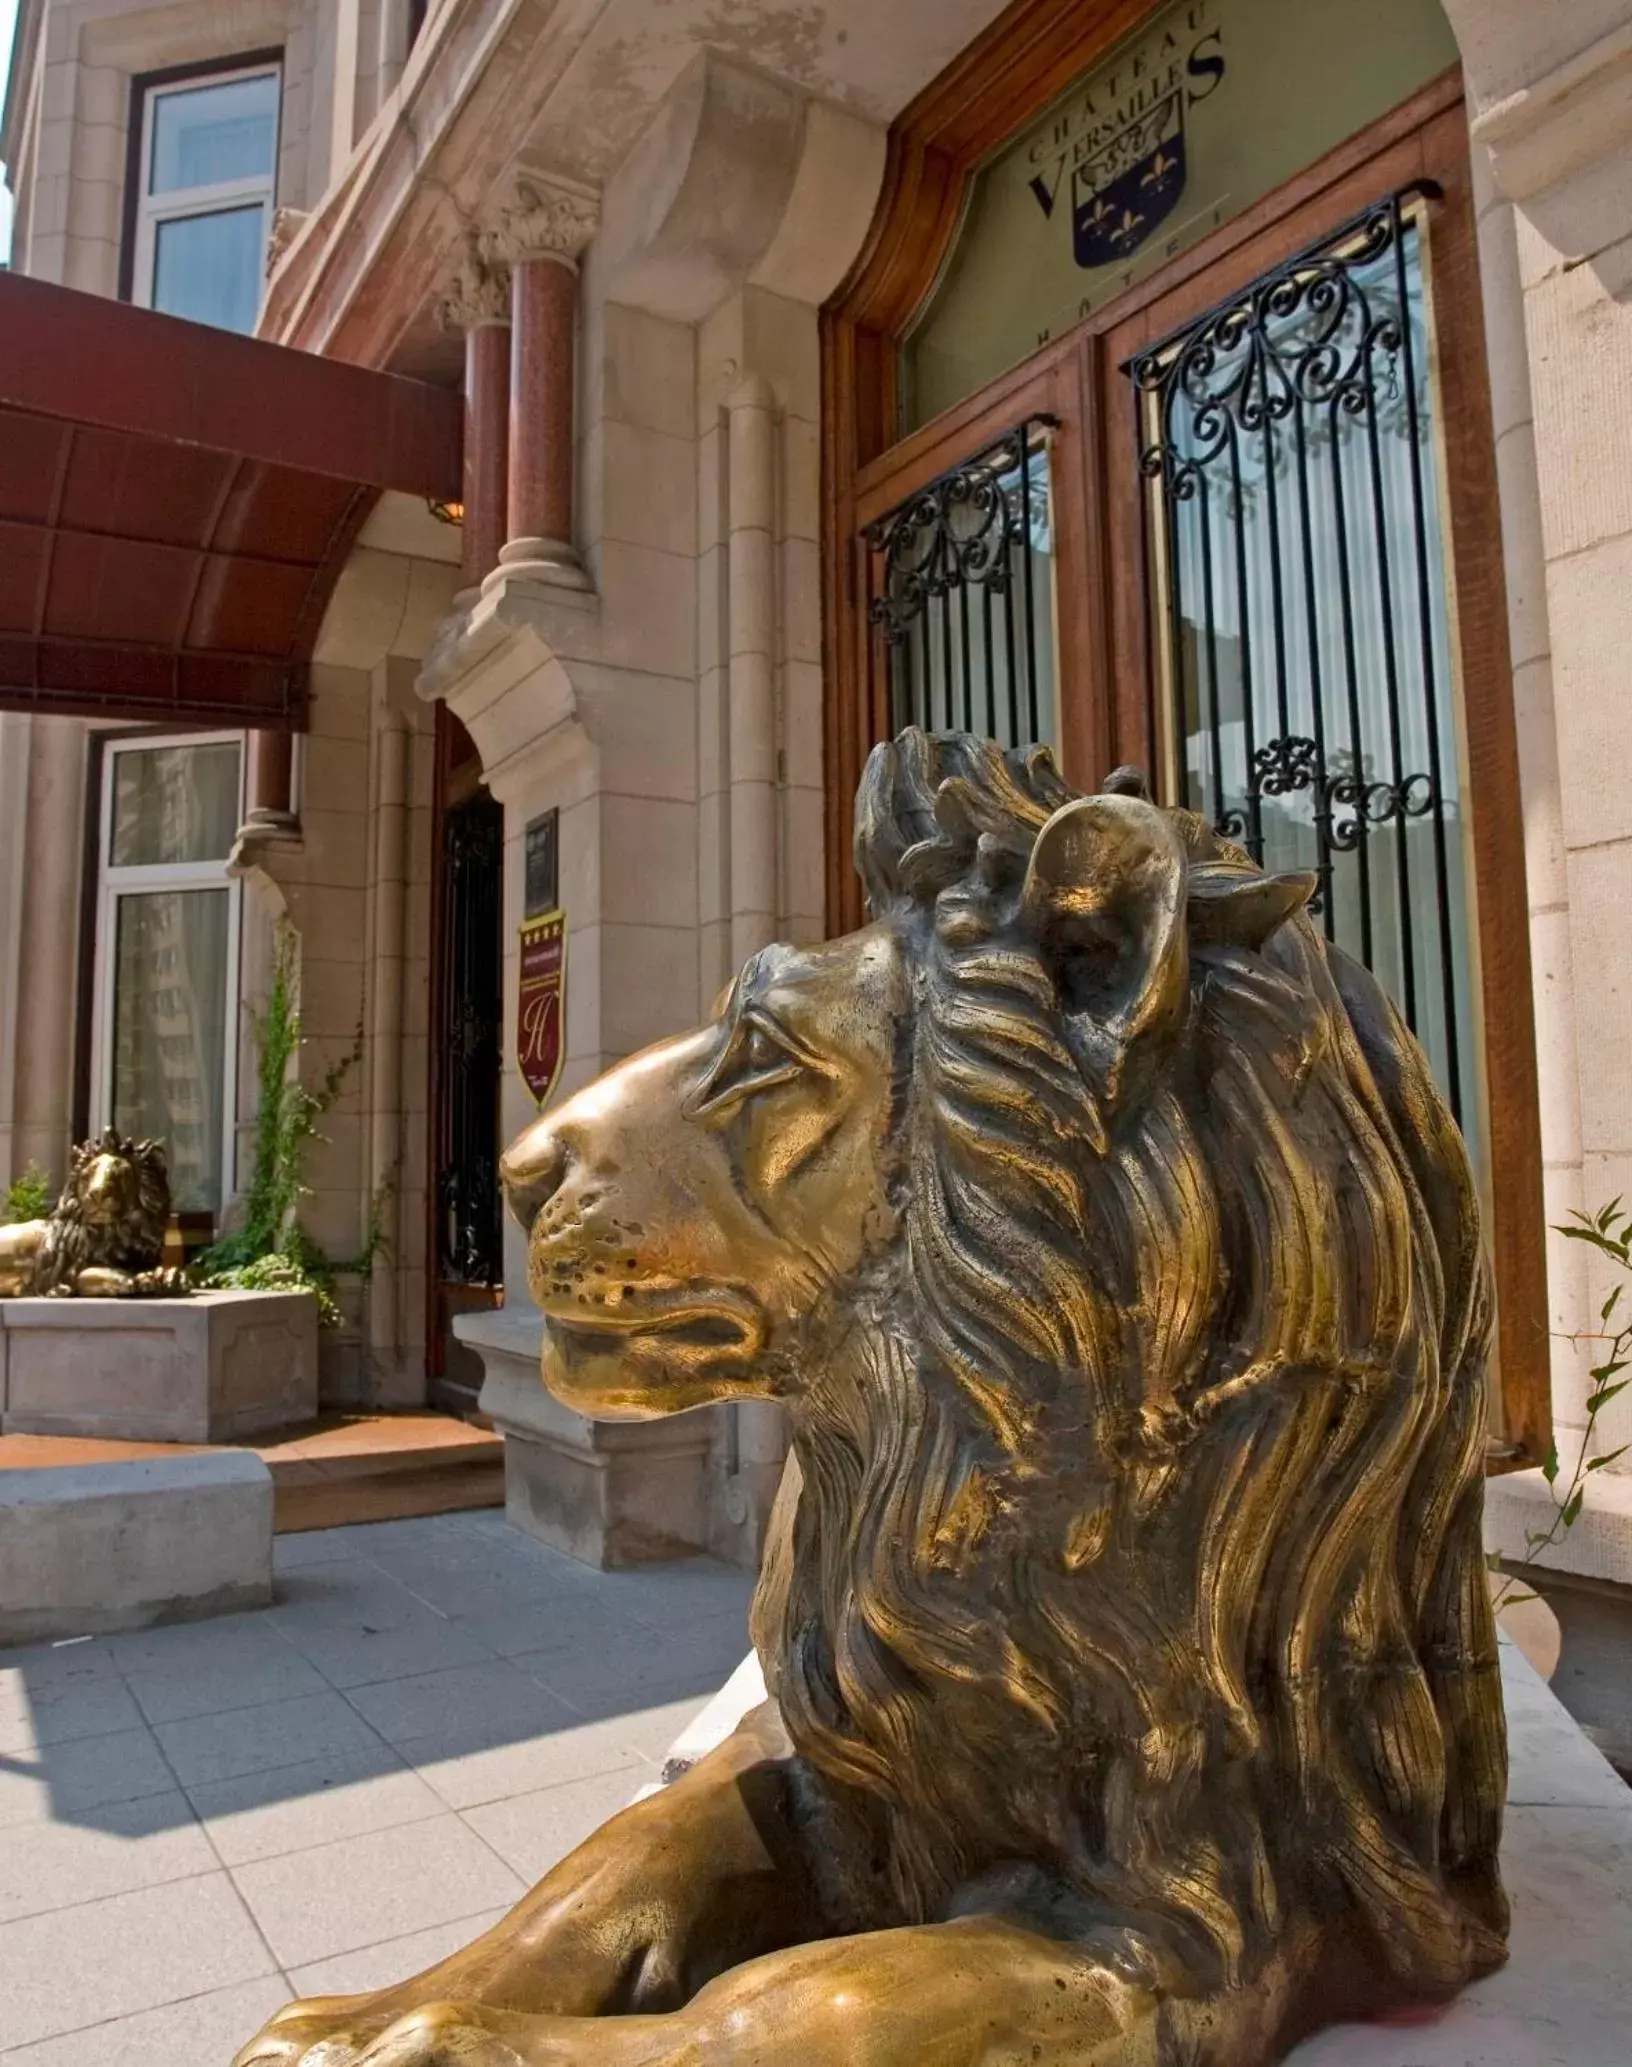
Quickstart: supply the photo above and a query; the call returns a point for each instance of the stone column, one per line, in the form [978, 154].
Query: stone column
[478, 304]
[751, 673]
[760, 1425]
[539, 237]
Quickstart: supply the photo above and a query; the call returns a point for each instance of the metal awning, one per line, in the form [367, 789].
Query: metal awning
[176, 503]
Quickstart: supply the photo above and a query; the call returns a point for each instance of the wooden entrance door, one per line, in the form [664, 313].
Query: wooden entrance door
[465, 1264]
[1272, 565]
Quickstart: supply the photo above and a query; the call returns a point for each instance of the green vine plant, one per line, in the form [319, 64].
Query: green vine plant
[272, 1252]
[28, 1197]
[1610, 1233]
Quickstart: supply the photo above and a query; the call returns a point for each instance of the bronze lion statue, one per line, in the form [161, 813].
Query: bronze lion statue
[1133, 1671]
[105, 1236]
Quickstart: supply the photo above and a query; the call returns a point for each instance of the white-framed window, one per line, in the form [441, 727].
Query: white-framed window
[165, 1027]
[207, 174]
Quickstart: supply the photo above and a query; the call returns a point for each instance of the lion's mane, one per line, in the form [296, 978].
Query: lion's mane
[134, 1242]
[1139, 1528]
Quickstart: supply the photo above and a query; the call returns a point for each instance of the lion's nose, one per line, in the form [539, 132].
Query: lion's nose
[532, 1171]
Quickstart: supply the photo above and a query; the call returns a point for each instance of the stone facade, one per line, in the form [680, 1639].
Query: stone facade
[710, 175]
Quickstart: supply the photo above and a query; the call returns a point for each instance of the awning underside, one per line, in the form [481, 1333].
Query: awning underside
[160, 558]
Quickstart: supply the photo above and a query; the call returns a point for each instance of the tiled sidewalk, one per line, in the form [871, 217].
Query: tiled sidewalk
[197, 1822]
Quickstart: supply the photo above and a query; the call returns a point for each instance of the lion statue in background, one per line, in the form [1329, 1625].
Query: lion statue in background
[105, 1236]
[1134, 1698]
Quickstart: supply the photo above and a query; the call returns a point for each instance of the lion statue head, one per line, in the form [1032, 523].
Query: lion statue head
[1101, 1229]
[111, 1216]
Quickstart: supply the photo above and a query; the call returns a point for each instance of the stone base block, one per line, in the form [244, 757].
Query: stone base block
[218, 1367]
[91, 1548]
[609, 1493]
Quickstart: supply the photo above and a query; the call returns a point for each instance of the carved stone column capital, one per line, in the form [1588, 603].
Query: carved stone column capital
[478, 293]
[543, 216]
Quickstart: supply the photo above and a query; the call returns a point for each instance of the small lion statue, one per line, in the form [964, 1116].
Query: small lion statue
[1134, 1696]
[105, 1236]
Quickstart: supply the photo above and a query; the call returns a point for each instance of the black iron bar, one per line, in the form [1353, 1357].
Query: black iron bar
[1442, 872]
[1243, 605]
[1391, 680]
[1351, 670]
[1025, 562]
[1323, 803]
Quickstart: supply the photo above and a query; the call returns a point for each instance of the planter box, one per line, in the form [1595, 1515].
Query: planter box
[216, 1368]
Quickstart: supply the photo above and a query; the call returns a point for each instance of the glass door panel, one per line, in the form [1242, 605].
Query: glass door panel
[1302, 631]
[961, 591]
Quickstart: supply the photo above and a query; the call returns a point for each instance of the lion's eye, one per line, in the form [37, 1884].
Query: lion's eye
[754, 1060]
[761, 1051]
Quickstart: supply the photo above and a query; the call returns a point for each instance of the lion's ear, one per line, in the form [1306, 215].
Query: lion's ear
[1231, 909]
[1104, 901]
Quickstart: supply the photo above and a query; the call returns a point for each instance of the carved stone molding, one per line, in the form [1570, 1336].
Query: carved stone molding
[478, 293]
[287, 224]
[543, 216]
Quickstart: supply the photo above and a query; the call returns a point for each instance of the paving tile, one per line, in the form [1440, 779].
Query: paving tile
[260, 1815]
[510, 1624]
[250, 1740]
[34, 1713]
[208, 2029]
[134, 1844]
[360, 1655]
[650, 1731]
[73, 1967]
[382, 1966]
[70, 1658]
[533, 1832]
[638, 1669]
[310, 1547]
[182, 1645]
[237, 1678]
[343, 1596]
[465, 1771]
[486, 1700]
[383, 1884]
[76, 1778]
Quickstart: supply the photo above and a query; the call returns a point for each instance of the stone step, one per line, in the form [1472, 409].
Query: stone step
[351, 1468]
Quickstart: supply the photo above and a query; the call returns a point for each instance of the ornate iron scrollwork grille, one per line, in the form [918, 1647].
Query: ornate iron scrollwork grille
[962, 591]
[1286, 443]
[470, 951]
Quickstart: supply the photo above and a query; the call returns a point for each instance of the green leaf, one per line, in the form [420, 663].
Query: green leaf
[1549, 1464]
[1572, 1508]
[1598, 1463]
[1611, 1213]
[1516, 1600]
[1605, 1393]
[1610, 1303]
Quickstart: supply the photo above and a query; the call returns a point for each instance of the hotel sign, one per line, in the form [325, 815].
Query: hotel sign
[541, 1003]
[1203, 109]
[1118, 145]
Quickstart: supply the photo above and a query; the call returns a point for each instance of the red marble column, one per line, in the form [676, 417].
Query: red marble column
[544, 312]
[271, 764]
[487, 423]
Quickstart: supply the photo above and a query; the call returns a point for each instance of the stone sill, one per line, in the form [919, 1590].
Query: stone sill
[1598, 1547]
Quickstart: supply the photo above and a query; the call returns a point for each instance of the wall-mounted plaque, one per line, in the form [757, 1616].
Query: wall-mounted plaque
[541, 1002]
[541, 865]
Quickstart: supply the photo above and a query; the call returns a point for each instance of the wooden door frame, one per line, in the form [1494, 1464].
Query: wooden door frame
[1024, 60]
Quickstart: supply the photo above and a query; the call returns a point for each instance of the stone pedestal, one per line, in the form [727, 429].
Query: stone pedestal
[85, 1549]
[609, 1493]
[216, 1368]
